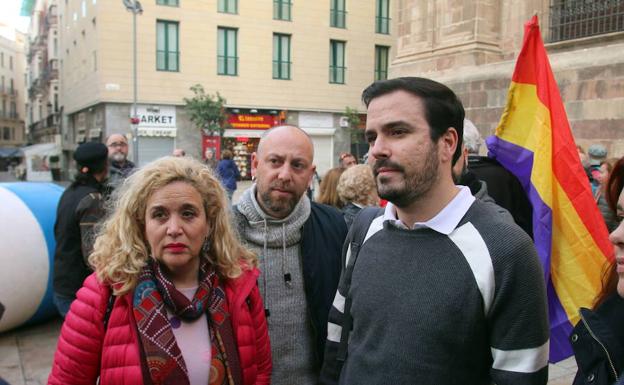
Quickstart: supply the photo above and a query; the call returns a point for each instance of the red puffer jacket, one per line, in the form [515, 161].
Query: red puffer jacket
[84, 344]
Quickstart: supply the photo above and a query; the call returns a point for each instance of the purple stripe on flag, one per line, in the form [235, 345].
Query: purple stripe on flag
[560, 327]
[519, 161]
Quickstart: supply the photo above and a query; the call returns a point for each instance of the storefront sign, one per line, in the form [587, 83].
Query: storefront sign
[155, 131]
[253, 122]
[156, 120]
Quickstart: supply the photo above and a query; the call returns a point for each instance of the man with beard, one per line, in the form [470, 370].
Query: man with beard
[299, 246]
[120, 167]
[438, 289]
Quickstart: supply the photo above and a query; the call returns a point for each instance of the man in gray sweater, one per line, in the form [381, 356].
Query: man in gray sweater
[443, 290]
[299, 245]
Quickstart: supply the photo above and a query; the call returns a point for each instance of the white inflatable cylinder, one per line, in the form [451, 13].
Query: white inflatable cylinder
[27, 216]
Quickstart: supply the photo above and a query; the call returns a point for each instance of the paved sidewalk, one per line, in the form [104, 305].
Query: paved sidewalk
[26, 356]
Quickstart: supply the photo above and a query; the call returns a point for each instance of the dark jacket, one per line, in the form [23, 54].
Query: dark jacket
[479, 190]
[505, 189]
[228, 172]
[321, 249]
[598, 343]
[118, 172]
[79, 209]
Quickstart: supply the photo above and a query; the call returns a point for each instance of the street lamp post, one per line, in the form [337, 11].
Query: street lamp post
[135, 7]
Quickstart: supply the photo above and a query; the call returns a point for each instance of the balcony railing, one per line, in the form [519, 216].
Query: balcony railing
[573, 19]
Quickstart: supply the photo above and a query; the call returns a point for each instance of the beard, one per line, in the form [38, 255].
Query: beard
[415, 183]
[279, 207]
[118, 157]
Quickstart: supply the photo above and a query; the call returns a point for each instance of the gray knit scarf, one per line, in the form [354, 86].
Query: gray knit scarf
[263, 230]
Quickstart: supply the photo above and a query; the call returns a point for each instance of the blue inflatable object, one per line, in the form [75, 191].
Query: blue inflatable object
[27, 216]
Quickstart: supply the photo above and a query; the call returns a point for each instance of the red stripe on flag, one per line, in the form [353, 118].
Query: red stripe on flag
[533, 67]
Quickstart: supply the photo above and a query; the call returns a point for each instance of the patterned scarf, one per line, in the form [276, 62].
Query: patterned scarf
[162, 357]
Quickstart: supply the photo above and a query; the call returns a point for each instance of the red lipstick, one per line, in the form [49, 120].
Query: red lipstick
[175, 247]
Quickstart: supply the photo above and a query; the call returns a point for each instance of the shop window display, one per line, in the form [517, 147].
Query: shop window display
[242, 148]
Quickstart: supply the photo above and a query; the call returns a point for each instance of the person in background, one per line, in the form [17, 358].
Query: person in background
[120, 166]
[597, 154]
[178, 152]
[598, 339]
[600, 195]
[328, 193]
[347, 160]
[502, 185]
[299, 243]
[356, 189]
[79, 210]
[228, 172]
[464, 177]
[210, 159]
[173, 299]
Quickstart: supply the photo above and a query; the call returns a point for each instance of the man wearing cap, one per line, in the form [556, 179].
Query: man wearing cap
[120, 166]
[79, 209]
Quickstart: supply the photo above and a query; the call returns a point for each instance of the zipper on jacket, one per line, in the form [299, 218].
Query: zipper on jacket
[591, 333]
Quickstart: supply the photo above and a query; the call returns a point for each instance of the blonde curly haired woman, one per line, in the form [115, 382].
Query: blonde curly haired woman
[173, 299]
[356, 189]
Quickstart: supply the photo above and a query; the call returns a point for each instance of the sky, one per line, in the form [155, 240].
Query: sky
[9, 15]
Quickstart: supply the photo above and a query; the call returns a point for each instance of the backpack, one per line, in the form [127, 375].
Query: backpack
[356, 237]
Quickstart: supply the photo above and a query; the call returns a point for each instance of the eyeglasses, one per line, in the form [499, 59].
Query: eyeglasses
[118, 144]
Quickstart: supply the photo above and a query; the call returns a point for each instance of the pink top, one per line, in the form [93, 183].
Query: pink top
[193, 339]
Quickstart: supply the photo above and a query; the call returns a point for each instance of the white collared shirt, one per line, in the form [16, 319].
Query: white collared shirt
[444, 221]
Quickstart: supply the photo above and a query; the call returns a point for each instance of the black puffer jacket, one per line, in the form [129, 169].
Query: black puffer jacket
[598, 343]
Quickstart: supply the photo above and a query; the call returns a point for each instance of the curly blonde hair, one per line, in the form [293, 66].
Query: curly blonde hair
[357, 185]
[121, 250]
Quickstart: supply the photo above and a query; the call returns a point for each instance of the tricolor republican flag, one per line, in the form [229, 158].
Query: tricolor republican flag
[534, 142]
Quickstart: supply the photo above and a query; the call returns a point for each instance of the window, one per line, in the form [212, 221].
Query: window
[6, 133]
[167, 54]
[83, 8]
[281, 56]
[381, 62]
[13, 110]
[337, 61]
[227, 6]
[227, 61]
[382, 21]
[337, 14]
[576, 19]
[281, 9]
[11, 86]
[171, 3]
[10, 62]
[2, 59]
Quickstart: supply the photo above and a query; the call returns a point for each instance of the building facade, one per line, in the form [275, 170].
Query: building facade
[280, 61]
[12, 63]
[472, 45]
[43, 110]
